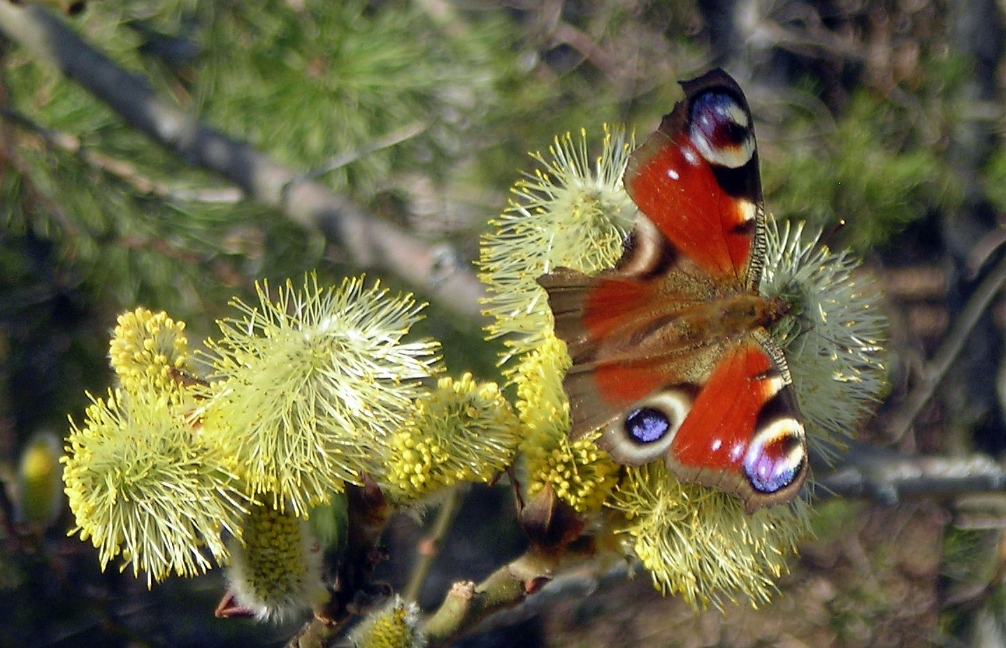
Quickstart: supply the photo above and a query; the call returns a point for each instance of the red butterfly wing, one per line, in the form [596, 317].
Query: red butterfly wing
[697, 179]
[739, 432]
[743, 433]
[625, 338]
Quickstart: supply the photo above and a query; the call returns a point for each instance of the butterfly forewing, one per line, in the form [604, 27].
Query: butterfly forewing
[697, 179]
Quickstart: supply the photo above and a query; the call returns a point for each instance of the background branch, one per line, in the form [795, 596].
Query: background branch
[936, 370]
[889, 477]
[370, 243]
[121, 169]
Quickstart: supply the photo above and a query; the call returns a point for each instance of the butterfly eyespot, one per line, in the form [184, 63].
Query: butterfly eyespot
[647, 425]
[776, 457]
[646, 431]
[721, 130]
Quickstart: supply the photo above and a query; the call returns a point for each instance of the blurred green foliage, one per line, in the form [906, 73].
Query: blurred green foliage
[871, 171]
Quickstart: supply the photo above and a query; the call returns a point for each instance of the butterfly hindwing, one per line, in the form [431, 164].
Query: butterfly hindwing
[740, 431]
[744, 433]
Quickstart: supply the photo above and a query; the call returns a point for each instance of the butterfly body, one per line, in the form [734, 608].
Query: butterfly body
[672, 356]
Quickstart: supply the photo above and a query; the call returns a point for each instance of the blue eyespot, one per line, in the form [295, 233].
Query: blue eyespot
[647, 425]
[720, 119]
[773, 467]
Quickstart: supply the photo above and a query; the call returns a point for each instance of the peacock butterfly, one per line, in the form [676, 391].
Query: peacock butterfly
[671, 352]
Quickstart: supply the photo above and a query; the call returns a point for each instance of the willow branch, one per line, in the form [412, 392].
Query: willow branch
[370, 243]
[575, 584]
[120, 169]
[889, 477]
[467, 604]
[938, 367]
[353, 591]
[429, 547]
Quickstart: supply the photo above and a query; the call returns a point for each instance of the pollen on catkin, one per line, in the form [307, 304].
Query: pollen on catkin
[833, 337]
[580, 473]
[569, 212]
[463, 431]
[146, 349]
[306, 386]
[396, 626]
[276, 568]
[39, 481]
[141, 484]
[699, 543]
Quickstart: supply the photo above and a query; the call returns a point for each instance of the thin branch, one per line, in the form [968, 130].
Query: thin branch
[937, 368]
[391, 139]
[889, 477]
[429, 547]
[8, 511]
[467, 604]
[574, 584]
[567, 34]
[120, 169]
[368, 241]
[812, 40]
[353, 591]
